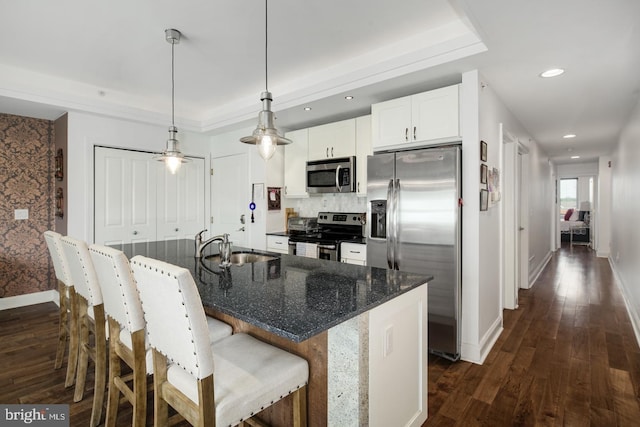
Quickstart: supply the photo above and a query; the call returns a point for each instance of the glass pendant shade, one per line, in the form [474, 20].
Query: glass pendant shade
[266, 136]
[171, 156]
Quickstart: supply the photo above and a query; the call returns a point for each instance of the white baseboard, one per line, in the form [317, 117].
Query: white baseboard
[631, 310]
[29, 299]
[536, 273]
[603, 254]
[478, 353]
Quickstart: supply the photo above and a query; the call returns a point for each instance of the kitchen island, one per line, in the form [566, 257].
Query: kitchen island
[363, 330]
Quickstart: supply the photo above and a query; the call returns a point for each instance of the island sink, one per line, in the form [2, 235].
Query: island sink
[241, 258]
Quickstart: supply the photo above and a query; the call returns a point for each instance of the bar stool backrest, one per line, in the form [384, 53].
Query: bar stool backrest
[173, 311]
[81, 270]
[119, 293]
[60, 266]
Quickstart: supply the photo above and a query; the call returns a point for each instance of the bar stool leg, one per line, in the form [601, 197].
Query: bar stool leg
[64, 326]
[72, 358]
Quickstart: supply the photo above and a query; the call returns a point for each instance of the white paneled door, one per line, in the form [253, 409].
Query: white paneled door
[230, 198]
[181, 201]
[138, 200]
[125, 196]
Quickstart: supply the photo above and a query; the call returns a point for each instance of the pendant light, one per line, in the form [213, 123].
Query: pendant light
[266, 135]
[172, 156]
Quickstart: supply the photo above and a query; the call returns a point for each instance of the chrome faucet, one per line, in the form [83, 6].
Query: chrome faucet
[224, 249]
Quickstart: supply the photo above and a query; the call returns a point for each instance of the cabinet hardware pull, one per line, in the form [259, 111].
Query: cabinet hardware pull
[135, 232]
[327, 154]
[414, 133]
[331, 151]
[177, 229]
[406, 134]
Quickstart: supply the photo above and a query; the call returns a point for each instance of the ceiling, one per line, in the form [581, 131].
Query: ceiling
[111, 58]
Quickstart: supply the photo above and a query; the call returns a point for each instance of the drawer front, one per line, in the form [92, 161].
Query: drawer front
[353, 251]
[278, 244]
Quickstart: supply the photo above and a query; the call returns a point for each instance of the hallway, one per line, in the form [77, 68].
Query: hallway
[567, 356]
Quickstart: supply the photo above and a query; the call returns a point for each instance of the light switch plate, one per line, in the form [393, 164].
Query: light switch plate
[21, 214]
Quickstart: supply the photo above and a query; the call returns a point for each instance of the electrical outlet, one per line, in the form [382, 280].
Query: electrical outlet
[21, 214]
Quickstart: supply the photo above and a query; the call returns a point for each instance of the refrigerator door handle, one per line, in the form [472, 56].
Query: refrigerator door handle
[396, 204]
[390, 224]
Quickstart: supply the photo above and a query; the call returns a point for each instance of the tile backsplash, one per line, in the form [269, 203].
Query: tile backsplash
[327, 203]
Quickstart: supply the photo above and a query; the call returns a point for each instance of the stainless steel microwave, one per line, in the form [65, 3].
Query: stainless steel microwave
[332, 175]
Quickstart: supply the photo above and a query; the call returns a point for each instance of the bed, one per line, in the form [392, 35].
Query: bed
[577, 222]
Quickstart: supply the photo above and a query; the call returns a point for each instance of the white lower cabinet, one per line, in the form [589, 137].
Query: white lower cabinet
[279, 244]
[353, 253]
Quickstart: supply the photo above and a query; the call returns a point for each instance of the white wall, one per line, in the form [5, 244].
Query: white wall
[541, 198]
[603, 203]
[625, 204]
[86, 130]
[482, 114]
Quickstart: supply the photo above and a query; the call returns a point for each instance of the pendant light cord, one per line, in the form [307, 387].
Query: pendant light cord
[173, 84]
[266, 45]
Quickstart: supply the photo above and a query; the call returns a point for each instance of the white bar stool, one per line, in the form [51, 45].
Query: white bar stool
[222, 384]
[126, 333]
[68, 328]
[91, 320]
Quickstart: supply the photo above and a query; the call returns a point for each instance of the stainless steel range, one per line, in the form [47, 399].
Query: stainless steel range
[333, 229]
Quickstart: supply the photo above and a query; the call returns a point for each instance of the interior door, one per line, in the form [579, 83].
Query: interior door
[125, 196]
[230, 198]
[181, 200]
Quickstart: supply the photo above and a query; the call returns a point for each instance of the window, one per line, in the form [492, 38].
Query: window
[568, 195]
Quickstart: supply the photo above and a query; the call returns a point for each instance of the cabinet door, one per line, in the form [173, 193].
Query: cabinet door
[363, 149]
[435, 114]
[391, 121]
[295, 164]
[332, 140]
[125, 196]
[181, 200]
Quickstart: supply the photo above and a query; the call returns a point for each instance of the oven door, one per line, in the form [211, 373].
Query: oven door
[328, 252]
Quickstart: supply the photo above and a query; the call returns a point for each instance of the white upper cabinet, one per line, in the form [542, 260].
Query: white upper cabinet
[332, 140]
[432, 116]
[295, 164]
[363, 149]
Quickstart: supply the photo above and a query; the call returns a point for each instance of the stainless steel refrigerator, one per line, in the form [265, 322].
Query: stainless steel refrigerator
[413, 206]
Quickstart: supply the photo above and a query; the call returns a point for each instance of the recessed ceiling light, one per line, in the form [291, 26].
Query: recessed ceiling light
[554, 72]
[307, 108]
[569, 135]
[575, 157]
[348, 97]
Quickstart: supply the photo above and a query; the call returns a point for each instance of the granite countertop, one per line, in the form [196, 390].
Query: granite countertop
[290, 296]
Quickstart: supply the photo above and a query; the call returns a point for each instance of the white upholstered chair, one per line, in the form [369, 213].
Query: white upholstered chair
[209, 385]
[91, 320]
[68, 328]
[127, 333]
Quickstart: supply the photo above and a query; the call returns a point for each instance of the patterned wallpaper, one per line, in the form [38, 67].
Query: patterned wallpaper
[26, 182]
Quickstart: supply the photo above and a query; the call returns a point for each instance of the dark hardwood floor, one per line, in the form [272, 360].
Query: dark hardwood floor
[567, 356]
